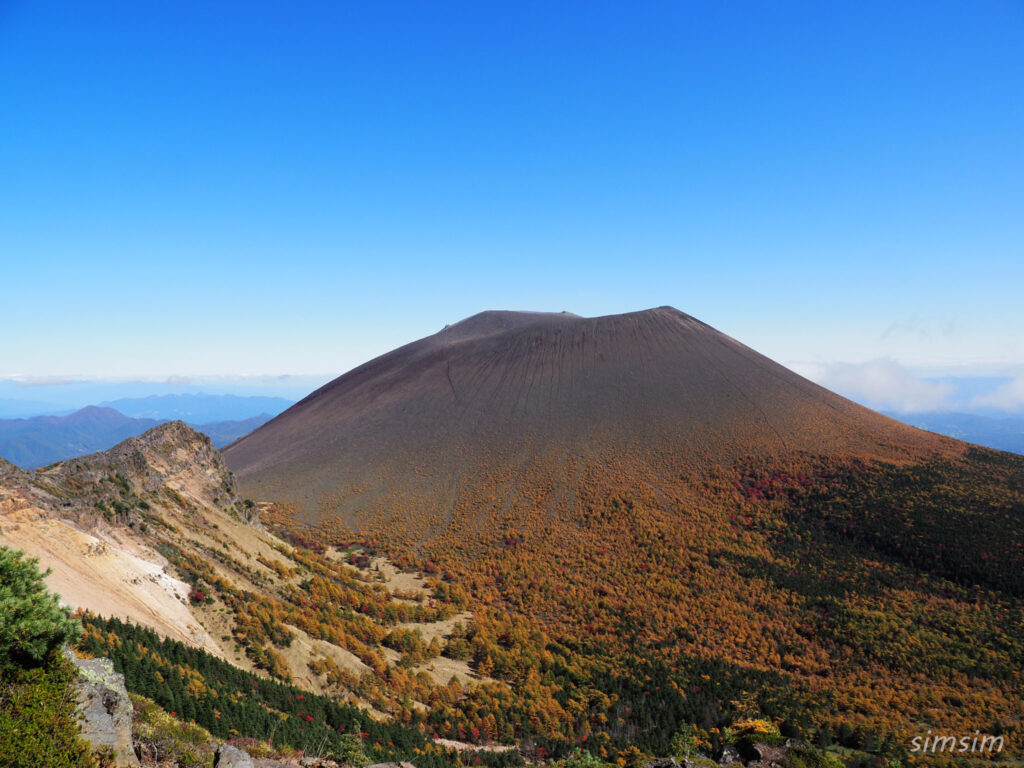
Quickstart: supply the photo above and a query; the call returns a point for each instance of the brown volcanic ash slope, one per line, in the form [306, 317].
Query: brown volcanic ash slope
[507, 408]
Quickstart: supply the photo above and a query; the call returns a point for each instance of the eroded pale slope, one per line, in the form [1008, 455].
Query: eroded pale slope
[107, 576]
[152, 532]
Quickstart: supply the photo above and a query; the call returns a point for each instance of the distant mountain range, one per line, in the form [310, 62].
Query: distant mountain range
[198, 408]
[217, 415]
[43, 440]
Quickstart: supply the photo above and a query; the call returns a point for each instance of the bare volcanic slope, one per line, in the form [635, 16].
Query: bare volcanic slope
[511, 408]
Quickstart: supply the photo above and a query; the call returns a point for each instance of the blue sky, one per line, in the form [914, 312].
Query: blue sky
[227, 189]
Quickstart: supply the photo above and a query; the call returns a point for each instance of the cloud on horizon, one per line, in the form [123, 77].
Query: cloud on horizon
[1007, 397]
[882, 384]
[40, 381]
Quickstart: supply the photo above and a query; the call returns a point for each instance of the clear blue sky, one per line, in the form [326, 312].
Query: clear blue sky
[254, 188]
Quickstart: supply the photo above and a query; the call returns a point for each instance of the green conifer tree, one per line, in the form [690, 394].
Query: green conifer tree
[33, 623]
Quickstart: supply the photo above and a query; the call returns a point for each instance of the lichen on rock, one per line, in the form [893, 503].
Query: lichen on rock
[106, 709]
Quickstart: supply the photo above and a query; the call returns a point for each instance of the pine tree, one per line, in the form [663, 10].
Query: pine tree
[34, 623]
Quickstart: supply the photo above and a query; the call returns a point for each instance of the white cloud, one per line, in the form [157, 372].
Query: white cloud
[1008, 397]
[40, 381]
[882, 384]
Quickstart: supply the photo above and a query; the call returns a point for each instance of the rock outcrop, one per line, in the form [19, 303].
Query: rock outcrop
[767, 754]
[227, 756]
[106, 710]
[730, 756]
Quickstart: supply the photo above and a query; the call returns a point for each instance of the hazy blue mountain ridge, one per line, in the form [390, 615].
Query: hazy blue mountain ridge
[42, 440]
[199, 408]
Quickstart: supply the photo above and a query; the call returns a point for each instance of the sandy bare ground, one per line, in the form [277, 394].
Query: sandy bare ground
[439, 629]
[103, 576]
[398, 581]
[304, 647]
[463, 746]
[219, 622]
[442, 670]
[384, 571]
[242, 541]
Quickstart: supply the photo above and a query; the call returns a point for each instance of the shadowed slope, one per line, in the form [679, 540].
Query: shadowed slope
[511, 407]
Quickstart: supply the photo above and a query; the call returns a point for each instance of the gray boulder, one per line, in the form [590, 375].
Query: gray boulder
[106, 709]
[730, 756]
[227, 756]
[768, 754]
[698, 761]
[664, 762]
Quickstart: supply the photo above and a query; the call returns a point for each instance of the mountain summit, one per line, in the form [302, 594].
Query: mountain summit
[504, 408]
[690, 523]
